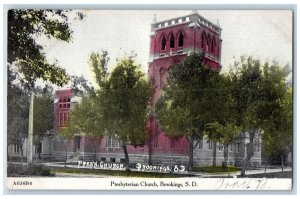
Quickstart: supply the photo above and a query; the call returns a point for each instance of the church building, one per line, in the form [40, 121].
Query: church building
[170, 42]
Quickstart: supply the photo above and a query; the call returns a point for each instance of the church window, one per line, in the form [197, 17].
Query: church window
[172, 41]
[209, 144]
[180, 40]
[112, 141]
[213, 45]
[237, 147]
[77, 142]
[203, 40]
[208, 44]
[16, 148]
[220, 146]
[231, 147]
[64, 105]
[61, 119]
[163, 43]
[65, 118]
[103, 159]
[257, 146]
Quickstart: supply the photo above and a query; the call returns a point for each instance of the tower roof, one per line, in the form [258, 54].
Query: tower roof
[194, 17]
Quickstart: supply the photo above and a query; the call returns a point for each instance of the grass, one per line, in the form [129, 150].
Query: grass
[216, 169]
[118, 173]
[284, 174]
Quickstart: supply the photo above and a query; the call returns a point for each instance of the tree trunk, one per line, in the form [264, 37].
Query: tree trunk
[21, 148]
[150, 152]
[191, 153]
[150, 146]
[225, 163]
[124, 146]
[265, 165]
[250, 152]
[282, 162]
[214, 154]
[19, 155]
[66, 154]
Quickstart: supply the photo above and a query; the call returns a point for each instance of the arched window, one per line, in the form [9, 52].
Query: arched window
[208, 44]
[203, 40]
[172, 41]
[163, 43]
[213, 45]
[180, 40]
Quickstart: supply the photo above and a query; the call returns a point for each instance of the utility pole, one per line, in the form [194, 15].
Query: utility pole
[30, 131]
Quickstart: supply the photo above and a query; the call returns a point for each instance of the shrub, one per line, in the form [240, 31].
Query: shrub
[27, 170]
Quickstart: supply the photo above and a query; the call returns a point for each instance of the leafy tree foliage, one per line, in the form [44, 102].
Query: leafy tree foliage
[24, 26]
[259, 91]
[277, 136]
[81, 86]
[225, 128]
[18, 110]
[247, 77]
[98, 63]
[188, 102]
[125, 102]
[17, 113]
[84, 118]
[43, 117]
[119, 108]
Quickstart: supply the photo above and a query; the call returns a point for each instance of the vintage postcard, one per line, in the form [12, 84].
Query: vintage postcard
[149, 99]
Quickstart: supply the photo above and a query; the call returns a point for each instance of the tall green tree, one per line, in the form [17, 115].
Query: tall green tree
[278, 129]
[17, 113]
[87, 116]
[259, 90]
[225, 128]
[125, 100]
[120, 106]
[247, 78]
[98, 62]
[43, 117]
[27, 61]
[24, 27]
[187, 103]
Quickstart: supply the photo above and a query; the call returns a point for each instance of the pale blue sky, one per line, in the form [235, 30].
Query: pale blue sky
[264, 34]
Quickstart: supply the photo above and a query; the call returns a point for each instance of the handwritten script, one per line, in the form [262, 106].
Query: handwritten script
[241, 184]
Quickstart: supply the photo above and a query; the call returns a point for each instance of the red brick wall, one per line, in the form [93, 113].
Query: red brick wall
[160, 62]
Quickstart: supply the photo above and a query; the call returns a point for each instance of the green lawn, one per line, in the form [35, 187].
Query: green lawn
[216, 169]
[118, 173]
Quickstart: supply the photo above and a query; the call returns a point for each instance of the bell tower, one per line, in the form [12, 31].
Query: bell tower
[170, 42]
[174, 39]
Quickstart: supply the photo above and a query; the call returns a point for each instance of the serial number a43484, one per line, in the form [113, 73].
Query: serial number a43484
[22, 183]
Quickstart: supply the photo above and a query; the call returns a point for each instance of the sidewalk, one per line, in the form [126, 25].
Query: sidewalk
[248, 172]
